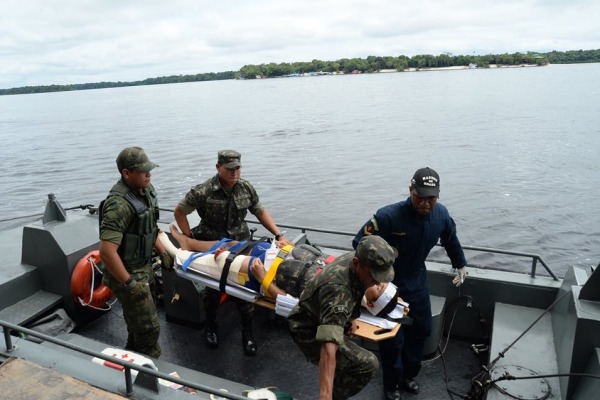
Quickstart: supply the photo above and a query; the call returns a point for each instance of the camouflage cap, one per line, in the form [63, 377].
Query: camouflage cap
[379, 255]
[134, 158]
[230, 159]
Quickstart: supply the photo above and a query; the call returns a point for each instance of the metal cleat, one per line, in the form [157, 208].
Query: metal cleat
[480, 348]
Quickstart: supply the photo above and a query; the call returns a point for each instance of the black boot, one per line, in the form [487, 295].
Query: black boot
[391, 394]
[210, 335]
[210, 298]
[248, 342]
[411, 386]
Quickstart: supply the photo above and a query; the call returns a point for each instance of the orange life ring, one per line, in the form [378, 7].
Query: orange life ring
[82, 279]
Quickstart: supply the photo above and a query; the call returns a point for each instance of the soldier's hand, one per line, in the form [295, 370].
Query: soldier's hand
[461, 275]
[283, 241]
[353, 328]
[167, 261]
[137, 290]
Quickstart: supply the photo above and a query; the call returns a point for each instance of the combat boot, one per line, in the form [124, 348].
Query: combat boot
[248, 342]
[210, 335]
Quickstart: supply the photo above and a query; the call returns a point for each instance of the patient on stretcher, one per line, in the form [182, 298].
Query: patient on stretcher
[245, 269]
[288, 275]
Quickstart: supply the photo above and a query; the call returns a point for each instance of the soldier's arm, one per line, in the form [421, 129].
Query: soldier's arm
[117, 215]
[112, 261]
[267, 221]
[186, 206]
[182, 221]
[327, 365]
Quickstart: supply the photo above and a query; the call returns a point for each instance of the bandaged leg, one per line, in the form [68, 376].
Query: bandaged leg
[238, 273]
[170, 248]
[235, 270]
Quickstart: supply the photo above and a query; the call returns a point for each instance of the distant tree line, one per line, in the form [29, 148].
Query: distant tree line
[402, 63]
[344, 66]
[211, 76]
[573, 56]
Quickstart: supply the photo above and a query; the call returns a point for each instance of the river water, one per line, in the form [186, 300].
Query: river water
[516, 149]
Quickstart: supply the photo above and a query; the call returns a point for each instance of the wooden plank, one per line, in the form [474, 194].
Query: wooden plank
[374, 333]
[24, 380]
[266, 303]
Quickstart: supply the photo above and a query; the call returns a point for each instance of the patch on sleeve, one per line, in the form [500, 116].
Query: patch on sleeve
[341, 310]
[371, 226]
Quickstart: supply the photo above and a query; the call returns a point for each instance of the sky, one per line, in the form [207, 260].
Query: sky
[44, 42]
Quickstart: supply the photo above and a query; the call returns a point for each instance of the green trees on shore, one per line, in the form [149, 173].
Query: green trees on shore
[211, 76]
[344, 66]
[401, 63]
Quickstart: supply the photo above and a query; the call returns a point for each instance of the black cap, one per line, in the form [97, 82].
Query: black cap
[426, 182]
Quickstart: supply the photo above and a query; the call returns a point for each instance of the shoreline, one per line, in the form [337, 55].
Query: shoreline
[461, 67]
[389, 71]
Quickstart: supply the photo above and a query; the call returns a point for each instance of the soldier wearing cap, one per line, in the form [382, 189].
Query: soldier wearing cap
[413, 227]
[222, 202]
[324, 317]
[128, 237]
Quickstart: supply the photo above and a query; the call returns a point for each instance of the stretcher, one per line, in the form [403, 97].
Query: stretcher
[282, 305]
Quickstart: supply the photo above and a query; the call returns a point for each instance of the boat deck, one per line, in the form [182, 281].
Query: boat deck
[278, 362]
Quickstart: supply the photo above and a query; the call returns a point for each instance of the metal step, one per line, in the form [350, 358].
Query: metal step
[533, 354]
[30, 308]
[430, 347]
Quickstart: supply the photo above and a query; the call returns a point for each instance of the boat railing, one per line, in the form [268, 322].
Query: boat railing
[535, 258]
[127, 366]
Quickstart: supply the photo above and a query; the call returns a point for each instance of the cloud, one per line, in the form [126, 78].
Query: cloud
[76, 41]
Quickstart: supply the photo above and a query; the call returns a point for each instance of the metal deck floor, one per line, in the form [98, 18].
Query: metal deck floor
[278, 362]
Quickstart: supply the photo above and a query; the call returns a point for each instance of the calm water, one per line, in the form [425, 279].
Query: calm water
[517, 149]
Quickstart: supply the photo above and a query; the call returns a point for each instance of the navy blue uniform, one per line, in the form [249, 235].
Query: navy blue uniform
[413, 236]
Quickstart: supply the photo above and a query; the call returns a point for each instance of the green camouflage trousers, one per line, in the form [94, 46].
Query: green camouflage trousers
[354, 366]
[141, 317]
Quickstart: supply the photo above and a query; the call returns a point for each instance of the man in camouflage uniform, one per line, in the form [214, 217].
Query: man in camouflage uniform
[326, 311]
[222, 202]
[128, 230]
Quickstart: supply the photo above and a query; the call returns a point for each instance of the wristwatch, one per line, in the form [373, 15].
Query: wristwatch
[128, 281]
[278, 236]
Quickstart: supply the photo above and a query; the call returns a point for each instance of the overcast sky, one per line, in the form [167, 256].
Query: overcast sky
[46, 42]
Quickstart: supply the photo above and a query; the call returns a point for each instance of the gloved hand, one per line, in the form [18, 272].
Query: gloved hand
[461, 275]
[137, 290]
[167, 261]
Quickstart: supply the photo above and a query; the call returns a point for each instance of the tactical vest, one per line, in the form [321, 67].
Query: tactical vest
[139, 238]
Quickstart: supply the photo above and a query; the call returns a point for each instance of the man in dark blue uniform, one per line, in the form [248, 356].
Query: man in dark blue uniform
[413, 227]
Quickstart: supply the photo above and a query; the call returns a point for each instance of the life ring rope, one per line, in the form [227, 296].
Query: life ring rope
[109, 304]
[84, 274]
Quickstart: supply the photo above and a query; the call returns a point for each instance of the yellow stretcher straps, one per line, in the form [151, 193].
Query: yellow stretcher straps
[273, 269]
